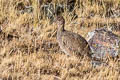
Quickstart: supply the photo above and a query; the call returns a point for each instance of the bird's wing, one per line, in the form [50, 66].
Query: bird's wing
[73, 41]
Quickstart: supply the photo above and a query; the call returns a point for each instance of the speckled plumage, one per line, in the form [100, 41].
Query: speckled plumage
[71, 43]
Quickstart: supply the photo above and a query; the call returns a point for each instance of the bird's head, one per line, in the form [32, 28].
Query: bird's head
[59, 20]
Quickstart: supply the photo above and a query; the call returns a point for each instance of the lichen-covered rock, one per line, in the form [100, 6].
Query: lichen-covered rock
[50, 10]
[21, 8]
[103, 43]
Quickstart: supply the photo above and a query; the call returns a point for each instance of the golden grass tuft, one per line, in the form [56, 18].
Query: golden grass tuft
[28, 47]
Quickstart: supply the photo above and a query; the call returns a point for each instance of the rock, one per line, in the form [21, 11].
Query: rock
[115, 27]
[48, 10]
[98, 63]
[103, 43]
[21, 8]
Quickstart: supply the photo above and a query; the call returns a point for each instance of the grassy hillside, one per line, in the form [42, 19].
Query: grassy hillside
[28, 47]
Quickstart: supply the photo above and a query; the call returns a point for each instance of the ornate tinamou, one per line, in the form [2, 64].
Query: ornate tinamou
[71, 43]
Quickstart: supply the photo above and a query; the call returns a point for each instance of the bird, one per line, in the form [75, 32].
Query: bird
[72, 44]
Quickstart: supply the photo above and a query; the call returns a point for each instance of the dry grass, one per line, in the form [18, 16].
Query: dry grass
[28, 47]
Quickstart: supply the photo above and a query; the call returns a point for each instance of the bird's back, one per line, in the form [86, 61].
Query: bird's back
[72, 43]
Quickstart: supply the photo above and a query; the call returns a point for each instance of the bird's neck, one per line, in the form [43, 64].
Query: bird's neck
[61, 28]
